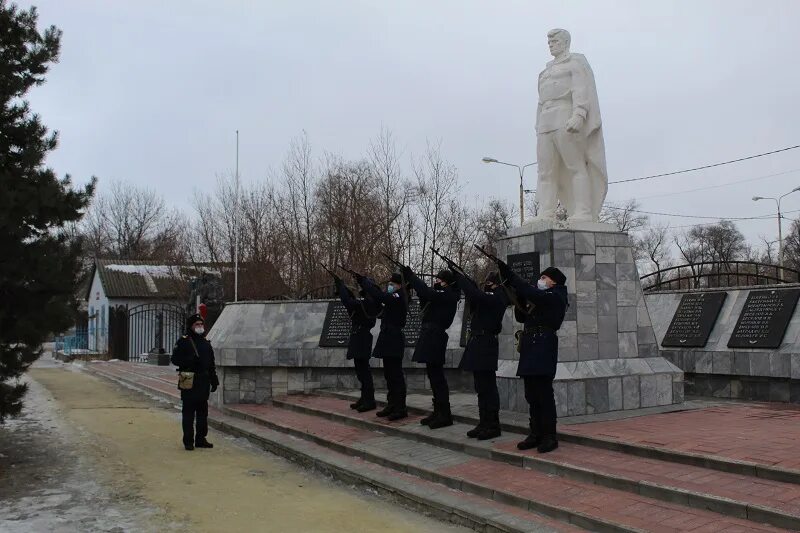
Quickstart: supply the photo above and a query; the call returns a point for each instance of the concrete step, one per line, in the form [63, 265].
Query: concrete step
[588, 505]
[514, 422]
[444, 503]
[746, 497]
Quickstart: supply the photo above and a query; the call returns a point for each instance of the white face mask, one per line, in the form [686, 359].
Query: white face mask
[199, 330]
[542, 284]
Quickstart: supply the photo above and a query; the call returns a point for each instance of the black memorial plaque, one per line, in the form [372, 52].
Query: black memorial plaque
[694, 319]
[525, 265]
[413, 324]
[764, 319]
[336, 327]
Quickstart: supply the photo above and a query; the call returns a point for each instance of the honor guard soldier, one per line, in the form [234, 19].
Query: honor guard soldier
[486, 310]
[363, 312]
[391, 343]
[194, 354]
[438, 308]
[538, 348]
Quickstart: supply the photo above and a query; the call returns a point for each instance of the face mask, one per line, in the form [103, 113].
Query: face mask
[487, 287]
[199, 330]
[542, 284]
[438, 285]
[390, 288]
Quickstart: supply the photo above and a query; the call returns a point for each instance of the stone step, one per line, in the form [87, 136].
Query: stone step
[441, 502]
[513, 422]
[758, 500]
[594, 507]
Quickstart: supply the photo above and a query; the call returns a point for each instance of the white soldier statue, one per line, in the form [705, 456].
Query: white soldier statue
[569, 135]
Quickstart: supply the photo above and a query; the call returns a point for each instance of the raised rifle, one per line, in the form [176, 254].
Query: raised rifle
[329, 271]
[353, 273]
[524, 306]
[395, 262]
[453, 265]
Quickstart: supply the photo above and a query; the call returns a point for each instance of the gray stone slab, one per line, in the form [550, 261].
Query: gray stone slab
[584, 243]
[607, 302]
[564, 258]
[576, 398]
[741, 364]
[608, 350]
[630, 392]
[628, 292]
[622, 239]
[703, 362]
[722, 363]
[627, 272]
[614, 394]
[606, 254]
[567, 353]
[649, 390]
[586, 292]
[597, 396]
[587, 346]
[663, 389]
[779, 365]
[585, 268]
[628, 346]
[606, 275]
[560, 394]
[607, 328]
[626, 318]
[795, 366]
[624, 255]
[605, 239]
[779, 391]
[677, 392]
[563, 240]
[587, 320]
[759, 364]
[543, 241]
[645, 335]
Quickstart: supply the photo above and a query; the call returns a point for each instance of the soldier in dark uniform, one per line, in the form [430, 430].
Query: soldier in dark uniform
[363, 312]
[193, 353]
[391, 342]
[438, 307]
[486, 310]
[539, 350]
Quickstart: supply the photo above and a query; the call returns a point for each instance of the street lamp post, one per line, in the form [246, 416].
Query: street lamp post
[780, 225]
[521, 170]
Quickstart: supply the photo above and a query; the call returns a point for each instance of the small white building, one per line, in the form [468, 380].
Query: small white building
[141, 290]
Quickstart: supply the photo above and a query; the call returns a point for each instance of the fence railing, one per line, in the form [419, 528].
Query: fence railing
[718, 274]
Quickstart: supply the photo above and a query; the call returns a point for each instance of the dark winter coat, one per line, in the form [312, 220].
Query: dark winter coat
[391, 341]
[539, 342]
[438, 308]
[487, 309]
[201, 363]
[363, 313]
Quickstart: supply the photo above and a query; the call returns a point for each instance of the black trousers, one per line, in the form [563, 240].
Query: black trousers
[486, 388]
[441, 392]
[194, 408]
[539, 394]
[364, 375]
[395, 381]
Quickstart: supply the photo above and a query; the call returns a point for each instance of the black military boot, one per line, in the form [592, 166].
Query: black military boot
[398, 411]
[203, 444]
[367, 403]
[472, 433]
[532, 440]
[389, 406]
[492, 428]
[188, 447]
[358, 402]
[548, 443]
[443, 416]
[427, 420]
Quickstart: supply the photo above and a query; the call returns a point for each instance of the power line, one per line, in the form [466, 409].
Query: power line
[681, 215]
[706, 166]
[720, 185]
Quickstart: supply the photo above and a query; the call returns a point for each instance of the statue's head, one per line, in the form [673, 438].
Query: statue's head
[558, 41]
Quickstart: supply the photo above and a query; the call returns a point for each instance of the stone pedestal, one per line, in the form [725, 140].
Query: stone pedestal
[608, 356]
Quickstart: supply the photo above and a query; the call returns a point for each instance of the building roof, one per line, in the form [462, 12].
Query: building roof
[124, 278]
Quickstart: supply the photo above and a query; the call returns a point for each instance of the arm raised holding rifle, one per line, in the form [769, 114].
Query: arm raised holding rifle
[538, 348]
[391, 342]
[487, 306]
[438, 304]
[363, 312]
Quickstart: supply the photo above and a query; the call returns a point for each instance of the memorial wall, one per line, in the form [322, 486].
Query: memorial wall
[740, 343]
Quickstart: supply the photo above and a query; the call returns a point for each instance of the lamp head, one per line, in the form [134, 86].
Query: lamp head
[796, 189]
[758, 198]
[489, 160]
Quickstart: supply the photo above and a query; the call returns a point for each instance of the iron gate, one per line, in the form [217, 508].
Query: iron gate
[152, 328]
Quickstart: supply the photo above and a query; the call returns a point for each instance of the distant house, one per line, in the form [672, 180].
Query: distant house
[132, 285]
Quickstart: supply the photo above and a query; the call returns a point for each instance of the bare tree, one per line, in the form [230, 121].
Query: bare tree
[394, 191]
[653, 247]
[625, 216]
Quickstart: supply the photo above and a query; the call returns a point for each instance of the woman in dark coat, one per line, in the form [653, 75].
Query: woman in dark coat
[193, 353]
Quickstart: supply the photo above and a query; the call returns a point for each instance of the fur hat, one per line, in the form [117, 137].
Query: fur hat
[554, 274]
[192, 319]
[446, 276]
[493, 277]
[396, 278]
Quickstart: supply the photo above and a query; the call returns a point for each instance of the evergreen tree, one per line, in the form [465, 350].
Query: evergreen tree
[38, 261]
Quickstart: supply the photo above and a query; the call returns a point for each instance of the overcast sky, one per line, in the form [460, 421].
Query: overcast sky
[152, 91]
